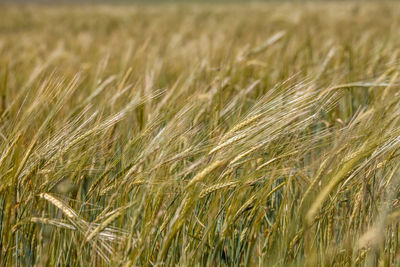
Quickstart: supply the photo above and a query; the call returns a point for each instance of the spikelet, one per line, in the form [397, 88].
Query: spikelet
[216, 187]
[97, 182]
[138, 182]
[336, 178]
[330, 225]
[356, 208]
[166, 222]
[53, 222]
[244, 206]
[295, 240]
[244, 234]
[59, 204]
[270, 41]
[5, 154]
[104, 224]
[252, 199]
[107, 189]
[362, 255]
[313, 183]
[241, 126]
[382, 164]
[200, 176]
[274, 159]
[228, 142]
[189, 202]
[244, 154]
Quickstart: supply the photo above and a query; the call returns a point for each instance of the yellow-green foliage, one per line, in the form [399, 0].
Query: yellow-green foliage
[200, 135]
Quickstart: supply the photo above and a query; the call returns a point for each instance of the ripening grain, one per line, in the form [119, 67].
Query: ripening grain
[200, 135]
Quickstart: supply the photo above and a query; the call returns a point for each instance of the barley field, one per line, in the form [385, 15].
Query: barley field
[258, 134]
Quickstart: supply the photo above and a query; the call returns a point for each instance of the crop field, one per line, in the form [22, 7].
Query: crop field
[260, 134]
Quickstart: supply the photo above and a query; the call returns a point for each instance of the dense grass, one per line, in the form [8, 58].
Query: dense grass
[200, 135]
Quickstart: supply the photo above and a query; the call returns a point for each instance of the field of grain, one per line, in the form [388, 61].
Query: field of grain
[200, 135]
